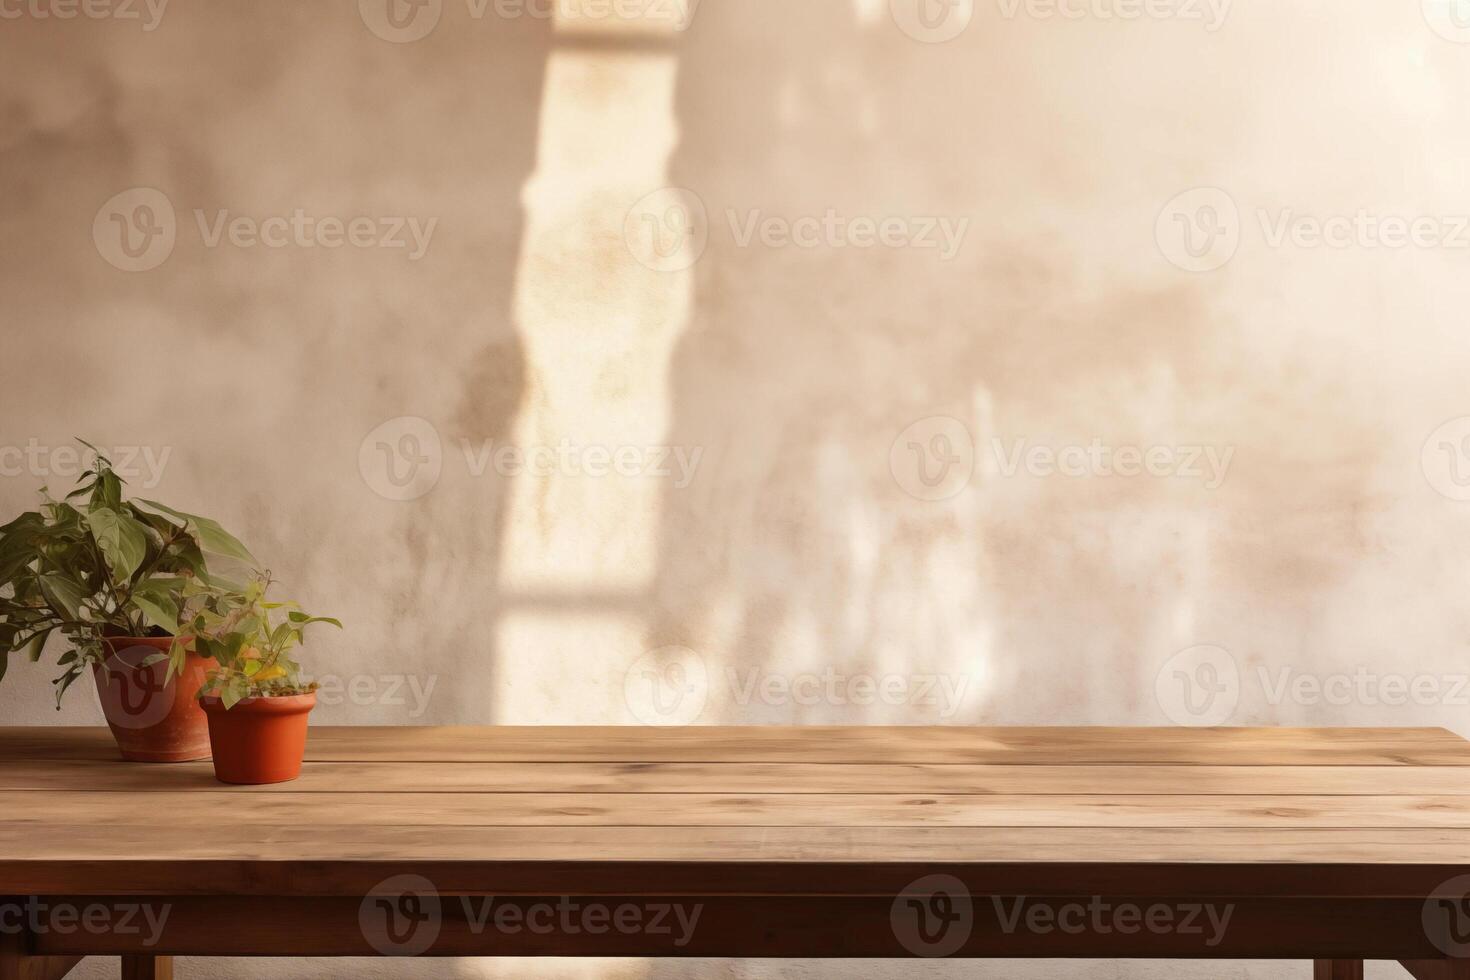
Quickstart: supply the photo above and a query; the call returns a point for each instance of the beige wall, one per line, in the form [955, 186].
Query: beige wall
[1317, 540]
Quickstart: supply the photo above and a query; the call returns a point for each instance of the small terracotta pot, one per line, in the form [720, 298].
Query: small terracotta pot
[151, 720]
[259, 740]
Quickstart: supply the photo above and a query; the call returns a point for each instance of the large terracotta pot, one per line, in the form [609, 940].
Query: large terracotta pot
[151, 720]
[259, 740]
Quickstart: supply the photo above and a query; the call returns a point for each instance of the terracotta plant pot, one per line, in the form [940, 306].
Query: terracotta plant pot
[259, 740]
[151, 720]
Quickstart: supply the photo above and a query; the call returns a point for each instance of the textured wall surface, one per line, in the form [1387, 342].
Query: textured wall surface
[771, 360]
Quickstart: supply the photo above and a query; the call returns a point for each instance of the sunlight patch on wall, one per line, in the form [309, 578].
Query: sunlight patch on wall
[598, 325]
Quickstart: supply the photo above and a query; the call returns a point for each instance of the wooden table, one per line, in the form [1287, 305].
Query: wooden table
[1334, 845]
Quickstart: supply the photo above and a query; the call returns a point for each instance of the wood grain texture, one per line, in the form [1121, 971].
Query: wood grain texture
[830, 744]
[147, 966]
[764, 778]
[498, 810]
[768, 810]
[1437, 969]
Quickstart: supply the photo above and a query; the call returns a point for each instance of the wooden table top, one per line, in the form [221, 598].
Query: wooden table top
[850, 810]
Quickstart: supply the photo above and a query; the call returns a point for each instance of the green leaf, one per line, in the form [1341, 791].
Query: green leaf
[301, 619]
[176, 655]
[152, 659]
[121, 538]
[65, 681]
[214, 539]
[64, 595]
[109, 490]
[36, 644]
[100, 455]
[158, 611]
[234, 692]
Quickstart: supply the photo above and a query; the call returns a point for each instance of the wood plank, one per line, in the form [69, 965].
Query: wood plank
[755, 778]
[1337, 970]
[828, 744]
[772, 874]
[433, 810]
[22, 848]
[790, 926]
[1437, 969]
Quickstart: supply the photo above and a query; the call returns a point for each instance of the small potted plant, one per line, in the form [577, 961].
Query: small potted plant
[254, 698]
[107, 576]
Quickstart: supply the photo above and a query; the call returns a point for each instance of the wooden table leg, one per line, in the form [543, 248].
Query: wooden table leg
[147, 968]
[17, 964]
[1337, 970]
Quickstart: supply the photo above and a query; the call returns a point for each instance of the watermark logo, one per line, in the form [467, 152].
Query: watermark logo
[932, 21]
[136, 697]
[1199, 230]
[401, 21]
[933, 459]
[136, 229]
[933, 916]
[667, 687]
[1450, 19]
[401, 916]
[1198, 686]
[668, 229]
[1445, 458]
[401, 459]
[1446, 917]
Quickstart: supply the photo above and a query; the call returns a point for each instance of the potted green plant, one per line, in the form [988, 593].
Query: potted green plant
[254, 697]
[106, 576]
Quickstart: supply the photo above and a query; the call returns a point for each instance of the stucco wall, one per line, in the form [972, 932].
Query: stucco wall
[771, 360]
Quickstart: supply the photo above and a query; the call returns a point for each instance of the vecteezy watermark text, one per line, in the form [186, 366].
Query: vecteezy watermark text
[149, 13]
[410, 691]
[1204, 685]
[38, 916]
[1210, 13]
[405, 21]
[670, 686]
[404, 457]
[142, 465]
[935, 458]
[137, 229]
[1201, 230]
[935, 915]
[1101, 917]
[404, 915]
[1207, 464]
[668, 230]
